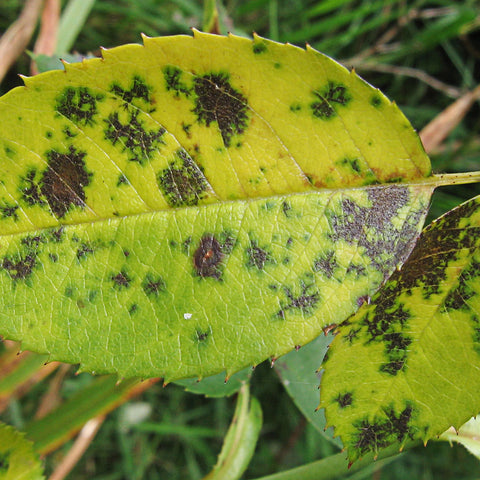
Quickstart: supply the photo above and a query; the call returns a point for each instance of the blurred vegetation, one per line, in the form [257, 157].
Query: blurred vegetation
[424, 55]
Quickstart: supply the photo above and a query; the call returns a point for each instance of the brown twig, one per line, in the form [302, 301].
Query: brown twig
[51, 399]
[46, 42]
[433, 82]
[16, 38]
[82, 442]
[438, 129]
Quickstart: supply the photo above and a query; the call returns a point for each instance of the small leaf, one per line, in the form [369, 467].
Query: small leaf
[196, 205]
[467, 435]
[406, 366]
[297, 370]
[217, 385]
[241, 439]
[18, 460]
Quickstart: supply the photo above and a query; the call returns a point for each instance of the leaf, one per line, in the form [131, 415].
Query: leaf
[193, 205]
[241, 439]
[406, 367]
[17, 458]
[217, 385]
[467, 435]
[297, 370]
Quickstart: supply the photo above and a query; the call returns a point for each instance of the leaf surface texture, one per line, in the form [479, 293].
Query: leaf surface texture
[198, 204]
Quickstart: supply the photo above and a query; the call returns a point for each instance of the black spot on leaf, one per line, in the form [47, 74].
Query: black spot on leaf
[435, 249]
[371, 227]
[64, 180]
[153, 285]
[85, 249]
[182, 183]
[303, 301]
[19, 267]
[8, 210]
[328, 99]
[133, 137]
[458, 297]
[326, 263]
[208, 257]
[394, 427]
[258, 257]
[78, 104]
[344, 399]
[133, 308]
[217, 101]
[259, 47]
[138, 90]
[122, 180]
[30, 189]
[121, 280]
[172, 81]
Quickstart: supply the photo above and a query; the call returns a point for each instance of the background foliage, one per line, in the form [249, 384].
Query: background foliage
[422, 54]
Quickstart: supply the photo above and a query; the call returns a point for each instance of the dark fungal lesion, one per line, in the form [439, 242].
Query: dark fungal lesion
[259, 46]
[373, 228]
[344, 399]
[78, 104]
[121, 280]
[393, 427]
[30, 189]
[458, 297]
[326, 263]
[328, 99]
[202, 335]
[153, 285]
[139, 90]
[182, 182]
[258, 257]
[20, 267]
[216, 101]
[207, 259]
[303, 300]
[173, 82]
[133, 137]
[63, 182]
[386, 323]
[8, 210]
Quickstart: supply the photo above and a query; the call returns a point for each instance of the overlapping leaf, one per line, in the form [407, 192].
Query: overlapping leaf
[18, 461]
[406, 367]
[196, 205]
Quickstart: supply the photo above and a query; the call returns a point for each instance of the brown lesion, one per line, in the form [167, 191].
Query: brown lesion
[217, 101]
[208, 256]
[63, 182]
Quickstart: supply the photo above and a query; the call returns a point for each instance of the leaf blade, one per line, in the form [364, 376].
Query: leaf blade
[414, 351]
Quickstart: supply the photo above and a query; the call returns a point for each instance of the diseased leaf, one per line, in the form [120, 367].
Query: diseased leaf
[196, 205]
[18, 460]
[406, 367]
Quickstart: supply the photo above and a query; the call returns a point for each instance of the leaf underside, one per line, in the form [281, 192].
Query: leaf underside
[406, 367]
[198, 204]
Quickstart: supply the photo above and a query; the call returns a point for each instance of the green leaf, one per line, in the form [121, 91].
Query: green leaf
[18, 460]
[406, 366]
[241, 439]
[196, 205]
[217, 385]
[297, 371]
